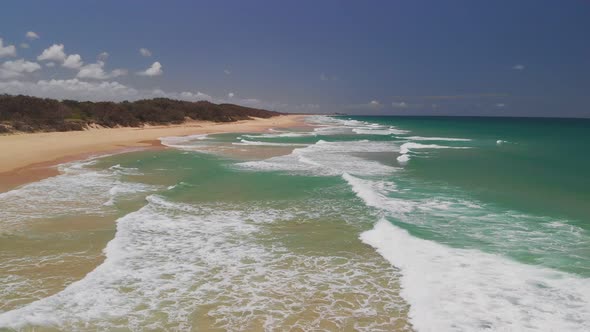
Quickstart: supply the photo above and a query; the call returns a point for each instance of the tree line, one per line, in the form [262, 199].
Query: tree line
[31, 114]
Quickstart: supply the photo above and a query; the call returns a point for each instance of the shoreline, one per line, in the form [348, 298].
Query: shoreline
[27, 158]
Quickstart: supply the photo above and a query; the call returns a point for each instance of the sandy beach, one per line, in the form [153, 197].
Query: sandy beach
[30, 157]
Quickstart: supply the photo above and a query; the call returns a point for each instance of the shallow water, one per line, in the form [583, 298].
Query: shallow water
[369, 224]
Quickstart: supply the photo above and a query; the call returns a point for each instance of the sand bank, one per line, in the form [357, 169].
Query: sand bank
[29, 157]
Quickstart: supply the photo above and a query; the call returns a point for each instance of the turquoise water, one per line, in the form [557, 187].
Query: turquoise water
[356, 223]
[533, 186]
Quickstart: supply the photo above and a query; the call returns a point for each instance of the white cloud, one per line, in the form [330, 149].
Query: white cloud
[93, 70]
[54, 52]
[96, 71]
[154, 70]
[6, 74]
[189, 96]
[400, 104]
[32, 35]
[145, 52]
[16, 68]
[231, 95]
[50, 64]
[71, 89]
[518, 67]
[227, 71]
[77, 89]
[24, 45]
[8, 50]
[103, 56]
[185, 95]
[118, 72]
[21, 66]
[371, 105]
[73, 61]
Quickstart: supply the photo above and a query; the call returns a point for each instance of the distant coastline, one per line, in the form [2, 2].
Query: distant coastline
[29, 157]
[31, 114]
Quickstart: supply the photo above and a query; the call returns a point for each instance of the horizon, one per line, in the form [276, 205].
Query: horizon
[419, 58]
[344, 114]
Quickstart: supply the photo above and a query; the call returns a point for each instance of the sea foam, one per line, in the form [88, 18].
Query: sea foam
[453, 289]
[79, 190]
[282, 134]
[407, 148]
[259, 143]
[171, 262]
[327, 158]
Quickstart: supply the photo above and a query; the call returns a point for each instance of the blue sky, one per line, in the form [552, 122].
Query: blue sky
[505, 58]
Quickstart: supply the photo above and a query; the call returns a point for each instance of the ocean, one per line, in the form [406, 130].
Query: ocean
[350, 223]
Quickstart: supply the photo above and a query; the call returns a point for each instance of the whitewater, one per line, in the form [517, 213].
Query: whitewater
[353, 223]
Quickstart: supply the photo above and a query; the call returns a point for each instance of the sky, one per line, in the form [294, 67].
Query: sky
[457, 57]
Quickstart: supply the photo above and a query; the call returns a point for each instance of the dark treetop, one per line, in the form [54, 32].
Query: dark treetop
[30, 114]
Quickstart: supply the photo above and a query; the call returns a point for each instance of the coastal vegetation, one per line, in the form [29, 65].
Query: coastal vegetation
[31, 114]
